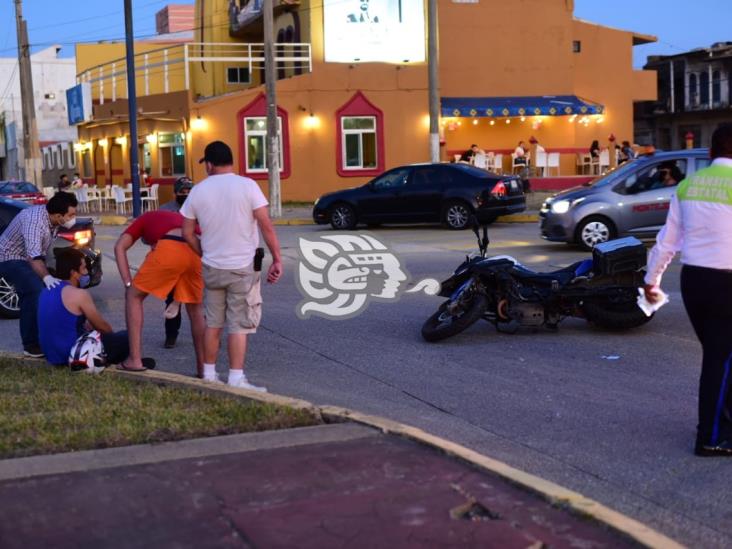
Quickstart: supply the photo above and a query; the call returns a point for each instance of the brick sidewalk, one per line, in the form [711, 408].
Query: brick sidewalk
[366, 490]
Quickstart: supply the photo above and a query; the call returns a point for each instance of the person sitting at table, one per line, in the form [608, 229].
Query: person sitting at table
[626, 152]
[77, 182]
[595, 150]
[63, 183]
[469, 155]
[519, 153]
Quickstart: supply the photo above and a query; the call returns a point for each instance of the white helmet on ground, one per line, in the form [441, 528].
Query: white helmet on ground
[87, 354]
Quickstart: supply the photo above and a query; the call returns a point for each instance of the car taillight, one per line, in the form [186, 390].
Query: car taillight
[80, 238]
[499, 189]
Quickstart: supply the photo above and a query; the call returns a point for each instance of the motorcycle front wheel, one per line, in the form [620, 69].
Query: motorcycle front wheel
[443, 324]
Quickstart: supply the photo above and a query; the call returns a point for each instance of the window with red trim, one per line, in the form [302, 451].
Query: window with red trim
[251, 121]
[360, 138]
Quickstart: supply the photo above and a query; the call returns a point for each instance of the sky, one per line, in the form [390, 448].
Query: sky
[680, 25]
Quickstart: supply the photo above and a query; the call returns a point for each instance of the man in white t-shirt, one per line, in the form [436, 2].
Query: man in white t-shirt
[230, 210]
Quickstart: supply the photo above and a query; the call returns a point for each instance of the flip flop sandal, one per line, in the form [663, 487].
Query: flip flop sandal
[121, 366]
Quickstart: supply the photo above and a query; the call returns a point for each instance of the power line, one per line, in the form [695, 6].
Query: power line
[151, 35]
[9, 85]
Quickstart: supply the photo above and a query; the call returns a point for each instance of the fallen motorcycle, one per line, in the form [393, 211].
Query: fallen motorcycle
[603, 290]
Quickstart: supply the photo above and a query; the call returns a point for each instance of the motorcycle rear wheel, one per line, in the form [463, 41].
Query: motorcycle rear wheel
[442, 324]
[615, 316]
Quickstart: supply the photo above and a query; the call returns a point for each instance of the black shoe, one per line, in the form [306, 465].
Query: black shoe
[170, 342]
[33, 351]
[721, 449]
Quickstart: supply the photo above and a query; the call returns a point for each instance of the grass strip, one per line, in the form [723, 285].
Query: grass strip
[46, 410]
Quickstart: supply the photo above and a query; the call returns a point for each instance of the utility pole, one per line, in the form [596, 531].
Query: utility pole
[434, 81]
[132, 108]
[31, 146]
[273, 142]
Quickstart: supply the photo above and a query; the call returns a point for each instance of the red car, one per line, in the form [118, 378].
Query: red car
[22, 190]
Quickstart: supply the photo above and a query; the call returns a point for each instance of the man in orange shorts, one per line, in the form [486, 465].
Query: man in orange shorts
[171, 265]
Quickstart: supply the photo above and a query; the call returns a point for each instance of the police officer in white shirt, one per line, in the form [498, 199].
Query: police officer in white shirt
[699, 225]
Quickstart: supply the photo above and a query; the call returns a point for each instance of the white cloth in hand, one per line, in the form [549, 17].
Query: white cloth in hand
[646, 306]
[51, 281]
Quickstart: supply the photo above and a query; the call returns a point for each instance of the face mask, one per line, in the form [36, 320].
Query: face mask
[180, 198]
[84, 281]
[70, 223]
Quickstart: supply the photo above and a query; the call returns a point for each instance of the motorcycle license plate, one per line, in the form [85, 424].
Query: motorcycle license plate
[514, 186]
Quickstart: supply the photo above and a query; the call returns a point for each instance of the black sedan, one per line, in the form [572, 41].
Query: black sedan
[80, 236]
[424, 193]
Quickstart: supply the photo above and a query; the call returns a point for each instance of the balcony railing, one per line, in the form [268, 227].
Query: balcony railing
[168, 69]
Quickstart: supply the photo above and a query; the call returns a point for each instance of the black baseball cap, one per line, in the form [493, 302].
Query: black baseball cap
[217, 153]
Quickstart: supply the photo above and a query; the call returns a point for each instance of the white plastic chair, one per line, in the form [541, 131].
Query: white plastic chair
[584, 163]
[604, 162]
[541, 161]
[552, 163]
[514, 164]
[106, 197]
[498, 163]
[82, 197]
[94, 195]
[120, 199]
[480, 161]
[152, 199]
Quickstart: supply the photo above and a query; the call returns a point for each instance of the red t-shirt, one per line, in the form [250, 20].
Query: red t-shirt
[151, 226]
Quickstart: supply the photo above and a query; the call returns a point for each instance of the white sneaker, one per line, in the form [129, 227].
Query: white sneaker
[213, 379]
[172, 310]
[244, 384]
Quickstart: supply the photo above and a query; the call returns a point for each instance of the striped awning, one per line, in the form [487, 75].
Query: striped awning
[543, 105]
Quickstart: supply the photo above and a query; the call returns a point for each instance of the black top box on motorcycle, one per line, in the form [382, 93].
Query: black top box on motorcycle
[616, 256]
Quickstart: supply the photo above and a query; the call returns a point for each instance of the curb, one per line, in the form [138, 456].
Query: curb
[518, 218]
[297, 221]
[514, 218]
[553, 493]
[111, 220]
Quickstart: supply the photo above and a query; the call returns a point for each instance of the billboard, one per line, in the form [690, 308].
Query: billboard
[79, 103]
[389, 31]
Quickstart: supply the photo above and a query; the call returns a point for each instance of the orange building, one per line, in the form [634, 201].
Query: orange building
[352, 86]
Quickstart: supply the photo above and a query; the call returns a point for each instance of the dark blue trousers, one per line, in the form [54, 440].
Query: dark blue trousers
[28, 286]
[707, 297]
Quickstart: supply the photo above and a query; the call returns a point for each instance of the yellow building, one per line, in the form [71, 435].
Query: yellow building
[352, 88]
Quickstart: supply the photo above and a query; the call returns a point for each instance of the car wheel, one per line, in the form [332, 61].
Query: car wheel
[456, 215]
[9, 300]
[593, 231]
[342, 217]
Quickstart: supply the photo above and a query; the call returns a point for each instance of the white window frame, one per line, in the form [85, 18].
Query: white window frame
[360, 133]
[238, 74]
[162, 146]
[263, 134]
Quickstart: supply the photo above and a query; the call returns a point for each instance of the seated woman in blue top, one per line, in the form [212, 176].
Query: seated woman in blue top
[67, 311]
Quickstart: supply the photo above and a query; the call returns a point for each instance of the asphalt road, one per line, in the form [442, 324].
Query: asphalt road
[620, 431]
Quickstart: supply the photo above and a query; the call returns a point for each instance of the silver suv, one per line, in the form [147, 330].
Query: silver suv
[633, 199]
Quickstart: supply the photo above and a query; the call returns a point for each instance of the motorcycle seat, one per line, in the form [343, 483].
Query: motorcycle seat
[561, 276]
